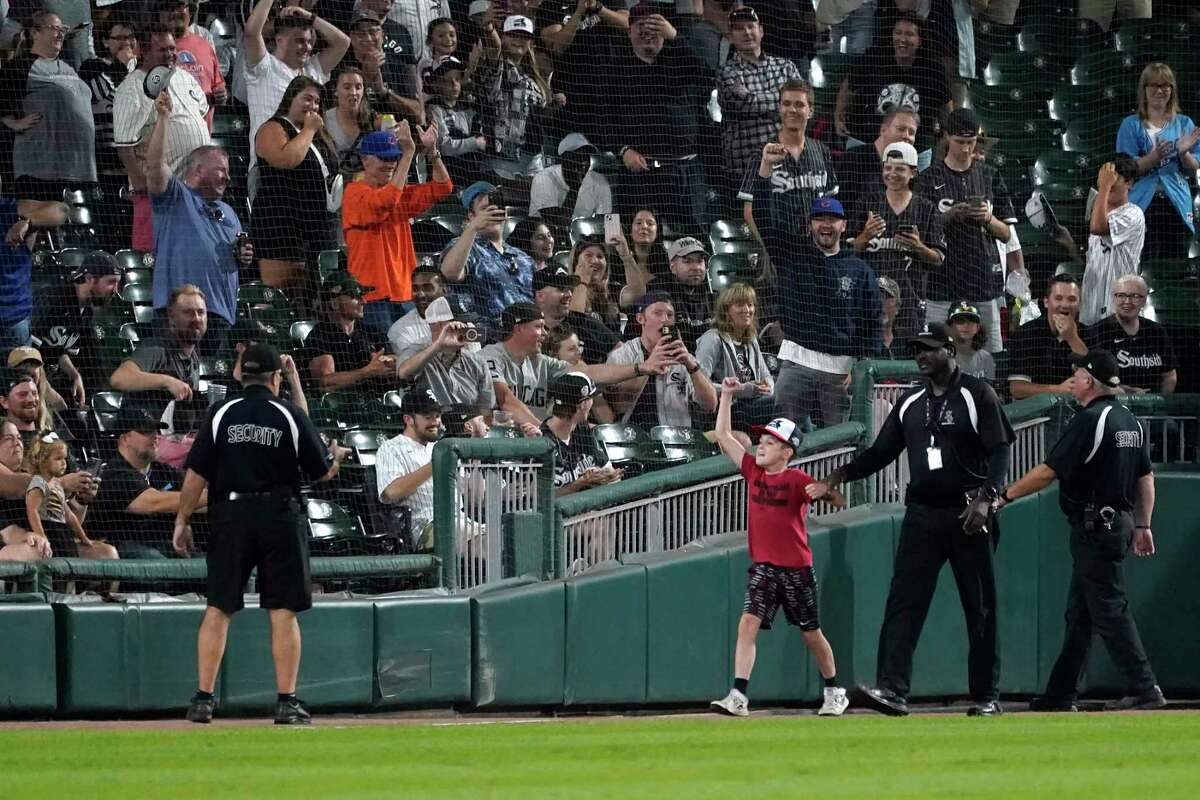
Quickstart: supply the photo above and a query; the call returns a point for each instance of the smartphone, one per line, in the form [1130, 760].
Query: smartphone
[977, 200]
[612, 227]
[669, 332]
[496, 198]
[94, 467]
[911, 230]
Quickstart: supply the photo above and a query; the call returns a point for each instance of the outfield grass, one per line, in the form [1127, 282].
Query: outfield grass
[1141, 756]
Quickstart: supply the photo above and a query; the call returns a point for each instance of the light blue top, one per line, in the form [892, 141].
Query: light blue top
[1134, 140]
[193, 243]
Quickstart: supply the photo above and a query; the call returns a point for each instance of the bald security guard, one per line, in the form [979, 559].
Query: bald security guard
[252, 453]
[958, 442]
[1106, 490]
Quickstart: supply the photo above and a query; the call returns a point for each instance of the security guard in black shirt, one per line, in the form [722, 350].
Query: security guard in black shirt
[1102, 461]
[958, 442]
[251, 453]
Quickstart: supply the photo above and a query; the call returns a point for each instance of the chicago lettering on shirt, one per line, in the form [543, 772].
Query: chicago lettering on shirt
[255, 434]
[769, 494]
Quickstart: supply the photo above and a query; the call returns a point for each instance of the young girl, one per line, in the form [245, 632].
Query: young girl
[441, 39]
[50, 516]
[970, 336]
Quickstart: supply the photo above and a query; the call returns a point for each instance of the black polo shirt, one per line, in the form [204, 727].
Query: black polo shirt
[257, 443]
[350, 351]
[962, 425]
[1144, 358]
[121, 484]
[972, 269]
[1038, 355]
[693, 307]
[1100, 457]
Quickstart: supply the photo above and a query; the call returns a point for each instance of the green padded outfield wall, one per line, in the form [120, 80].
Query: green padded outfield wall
[28, 676]
[422, 651]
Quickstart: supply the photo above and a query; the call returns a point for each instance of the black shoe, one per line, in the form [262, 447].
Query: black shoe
[989, 709]
[1046, 703]
[201, 709]
[1149, 699]
[882, 700]
[292, 712]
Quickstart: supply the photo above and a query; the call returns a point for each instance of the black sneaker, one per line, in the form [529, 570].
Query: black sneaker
[1053, 704]
[1149, 699]
[989, 709]
[882, 700]
[201, 709]
[292, 712]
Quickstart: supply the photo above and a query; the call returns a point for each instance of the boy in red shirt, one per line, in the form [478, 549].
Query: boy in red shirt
[782, 573]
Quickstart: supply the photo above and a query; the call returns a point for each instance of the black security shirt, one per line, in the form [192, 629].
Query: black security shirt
[1143, 358]
[965, 424]
[1100, 457]
[257, 443]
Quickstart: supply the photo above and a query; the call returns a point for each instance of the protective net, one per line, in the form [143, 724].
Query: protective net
[713, 155]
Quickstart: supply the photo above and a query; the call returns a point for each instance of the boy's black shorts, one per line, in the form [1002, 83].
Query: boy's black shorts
[793, 588]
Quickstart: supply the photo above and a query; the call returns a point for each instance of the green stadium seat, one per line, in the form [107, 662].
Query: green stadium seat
[433, 234]
[1022, 69]
[134, 259]
[1133, 35]
[562, 260]
[503, 432]
[1007, 100]
[141, 297]
[586, 226]
[329, 262]
[224, 123]
[1090, 101]
[826, 70]
[1069, 201]
[328, 520]
[683, 444]
[1057, 166]
[1168, 272]
[991, 37]
[364, 443]
[1022, 138]
[300, 329]
[726, 269]
[138, 275]
[105, 405]
[1096, 135]
[1104, 68]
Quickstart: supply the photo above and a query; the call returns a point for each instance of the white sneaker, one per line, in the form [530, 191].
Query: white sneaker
[835, 702]
[734, 704]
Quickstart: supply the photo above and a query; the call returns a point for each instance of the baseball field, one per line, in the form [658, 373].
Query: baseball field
[1144, 755]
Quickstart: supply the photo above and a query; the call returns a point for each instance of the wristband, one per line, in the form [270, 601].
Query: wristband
[1141, 527]
[1004, 496]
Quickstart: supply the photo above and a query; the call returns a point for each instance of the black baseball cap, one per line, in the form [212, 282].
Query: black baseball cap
[964, 309]
[455, 418]
[260, 359]
[248, 331]
[518, 314]
[559, 279]
[961, 122]
[130, 419]
[571, 389]
[646, 9]
[934, 334]
[97, 263]
[1101, 365]
[342, 282]
[419, 401]
[743, 14]
[650, 298]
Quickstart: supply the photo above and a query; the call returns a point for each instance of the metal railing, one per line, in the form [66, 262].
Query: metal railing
[479, 486]
[668, 509]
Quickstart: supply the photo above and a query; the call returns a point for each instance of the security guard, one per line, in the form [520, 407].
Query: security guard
[1102, 460]
[251, 453]
[958, 443]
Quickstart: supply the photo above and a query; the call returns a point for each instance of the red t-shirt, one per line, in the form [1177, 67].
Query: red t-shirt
[778, 505]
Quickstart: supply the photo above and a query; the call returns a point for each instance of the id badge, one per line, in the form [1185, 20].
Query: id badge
[934, 457]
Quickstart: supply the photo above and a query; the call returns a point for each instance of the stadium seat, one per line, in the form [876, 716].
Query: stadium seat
[513, 219]
[1090, 101]
[1069, 200]
[434, 234]
[1095, 135]
[586, 226]
[141, 297]
[683, 444]
[300, 329]
[1056, 166]
[561, 260]
[267, 305]
[1104, 68]
[1007, 100]
[1024, 137]
[139, 275]
[364, 443]
[1163, 273]
[134, 259]
[329, 262]
[230, 124]
[991, 37]
[503, 432]
[328, 520]
[726, 269]
[826, 72]
[105, 406]
[1022, 69]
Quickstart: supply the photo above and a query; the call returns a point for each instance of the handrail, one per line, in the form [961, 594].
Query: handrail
[196, 569]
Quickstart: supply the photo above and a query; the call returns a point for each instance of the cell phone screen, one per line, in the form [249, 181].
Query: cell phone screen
[612, 226]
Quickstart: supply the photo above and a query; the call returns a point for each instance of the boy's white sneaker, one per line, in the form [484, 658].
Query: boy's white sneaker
[835, 702]
[735, 704]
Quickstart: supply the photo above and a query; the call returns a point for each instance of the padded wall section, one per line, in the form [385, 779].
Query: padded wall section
[422, 651]
[606, 636]
[28, 674]
[518, 645]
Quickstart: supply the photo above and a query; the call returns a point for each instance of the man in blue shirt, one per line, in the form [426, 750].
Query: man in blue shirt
[18, 218]
[195, 232]
[486, 274]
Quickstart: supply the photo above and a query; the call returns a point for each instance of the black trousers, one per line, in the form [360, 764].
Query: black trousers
[1096, 603]
[929, 537]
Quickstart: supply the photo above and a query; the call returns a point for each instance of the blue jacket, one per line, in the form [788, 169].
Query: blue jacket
[1133, 140]
[829, 304]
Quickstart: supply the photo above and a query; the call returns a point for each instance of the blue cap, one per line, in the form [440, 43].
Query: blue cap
[381, 144]
[826, 207]
[474, 190]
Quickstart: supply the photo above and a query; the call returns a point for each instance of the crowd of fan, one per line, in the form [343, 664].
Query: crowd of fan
[663, 118]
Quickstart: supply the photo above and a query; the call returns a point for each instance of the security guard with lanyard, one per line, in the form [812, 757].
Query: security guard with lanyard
[958, 442]
[251, 454]
[1106, 490]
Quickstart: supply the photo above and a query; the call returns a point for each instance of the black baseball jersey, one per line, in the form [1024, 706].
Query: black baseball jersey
[257, 443]
[948, 438]
[1100, 457]
[972, 269]
[573, 458]
[1143, 357]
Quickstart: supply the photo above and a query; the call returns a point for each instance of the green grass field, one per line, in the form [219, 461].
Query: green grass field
[1145, 756]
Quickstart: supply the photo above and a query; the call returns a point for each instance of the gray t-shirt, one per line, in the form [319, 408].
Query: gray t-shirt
[157, 356]
[62, 145]
[528, 379]
[978, 364]
[673, 391]
[465, 379]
